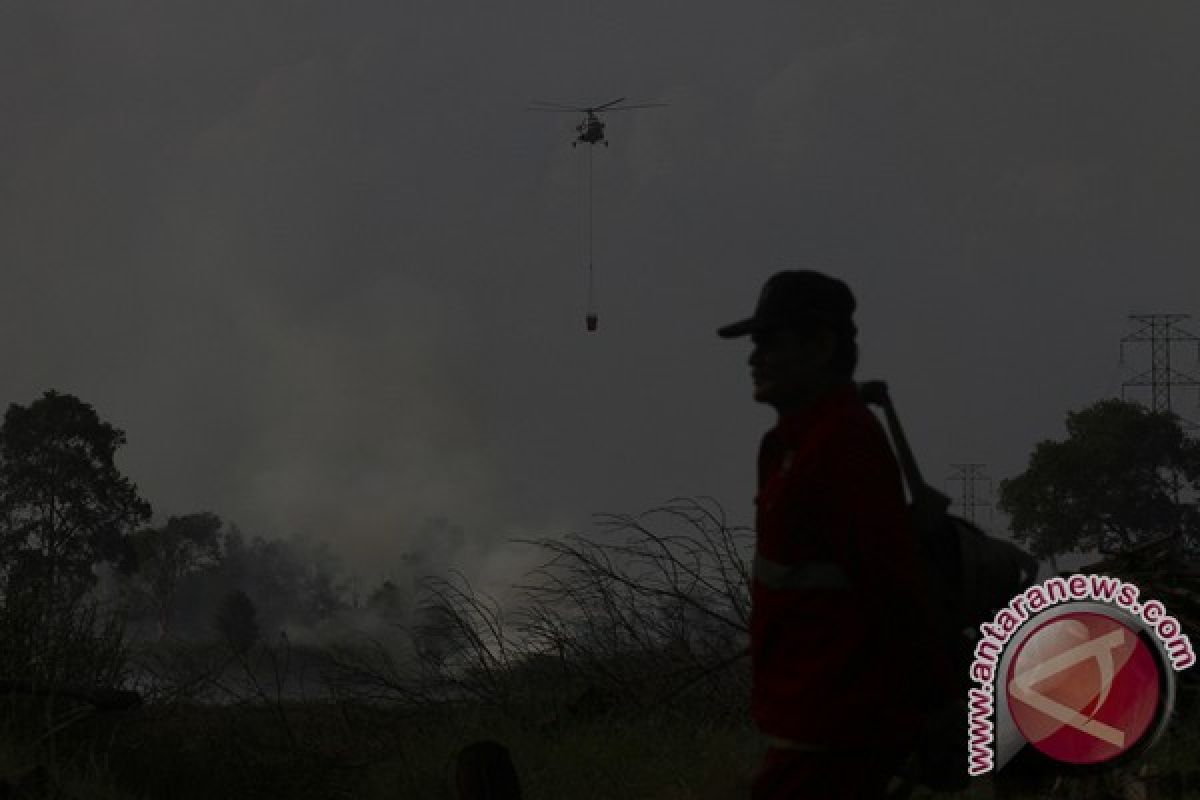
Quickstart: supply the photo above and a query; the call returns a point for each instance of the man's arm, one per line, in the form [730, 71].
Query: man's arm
[881, 545]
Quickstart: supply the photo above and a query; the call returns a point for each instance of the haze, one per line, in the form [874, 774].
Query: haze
[329, 277]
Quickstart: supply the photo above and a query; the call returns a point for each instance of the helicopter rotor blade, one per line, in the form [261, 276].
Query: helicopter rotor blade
[606, 105]
[633, 106]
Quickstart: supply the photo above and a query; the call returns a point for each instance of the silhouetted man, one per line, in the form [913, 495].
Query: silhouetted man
[485, 772]
[837, 609]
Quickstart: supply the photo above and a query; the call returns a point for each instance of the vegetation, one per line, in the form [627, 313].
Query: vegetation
[1123, 476]
[64, 508]
[163, 558]
[622, 673]
[237, 622]
[640, 633]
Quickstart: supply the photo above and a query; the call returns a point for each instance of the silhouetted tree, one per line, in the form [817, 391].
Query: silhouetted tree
[164, 556]
[237, 621]
[319, 593]
[64, 505]
[64, 509]
[1118, 479]
[388, 600]
[291, 581]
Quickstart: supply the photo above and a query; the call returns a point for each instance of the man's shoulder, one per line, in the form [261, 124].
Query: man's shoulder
[856, 435]
[843, 424]
[853, 421]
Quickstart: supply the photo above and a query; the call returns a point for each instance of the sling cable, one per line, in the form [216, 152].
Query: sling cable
[591, 132]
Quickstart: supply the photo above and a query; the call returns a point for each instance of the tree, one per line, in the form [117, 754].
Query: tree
[64, 509]
[64, 505]
[388, 601]
[237, 621]
[1120, 478]
[164, 556]
[293, 581]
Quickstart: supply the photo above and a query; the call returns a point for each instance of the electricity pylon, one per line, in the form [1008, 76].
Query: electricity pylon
[969, 474]
[1162, 331]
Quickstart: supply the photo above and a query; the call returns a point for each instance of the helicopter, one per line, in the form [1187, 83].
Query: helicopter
[591, 132]
[591, 129]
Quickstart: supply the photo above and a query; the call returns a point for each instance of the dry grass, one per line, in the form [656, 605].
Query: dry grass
[620, 680]
[343, 750]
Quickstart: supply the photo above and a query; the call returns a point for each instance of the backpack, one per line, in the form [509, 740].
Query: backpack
[970, 575]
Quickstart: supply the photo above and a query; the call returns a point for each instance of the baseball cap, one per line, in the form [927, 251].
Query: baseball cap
[795, 297]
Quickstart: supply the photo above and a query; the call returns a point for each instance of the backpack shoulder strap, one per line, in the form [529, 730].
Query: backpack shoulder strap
[929, 505]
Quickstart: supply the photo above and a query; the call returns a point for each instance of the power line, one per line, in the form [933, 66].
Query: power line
[1162, 331]
[970, 474]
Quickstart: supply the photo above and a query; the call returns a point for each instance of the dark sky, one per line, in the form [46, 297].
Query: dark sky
[329, 276]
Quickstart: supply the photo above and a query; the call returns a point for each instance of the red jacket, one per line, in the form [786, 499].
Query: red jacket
[838, 636]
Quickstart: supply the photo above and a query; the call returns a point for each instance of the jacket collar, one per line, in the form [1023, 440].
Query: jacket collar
[796, 422]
